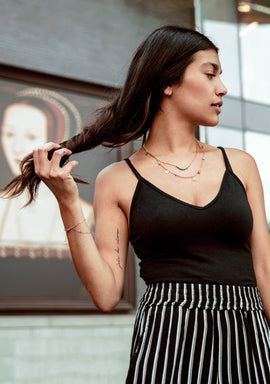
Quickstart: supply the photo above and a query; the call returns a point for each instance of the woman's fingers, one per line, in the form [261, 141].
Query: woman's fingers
[69, 166]
[58, 179]
[51, 145]
[42, 152]
[45, 167]
[40, 156]
[57, 157]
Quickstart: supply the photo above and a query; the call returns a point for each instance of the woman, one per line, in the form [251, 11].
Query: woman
[186, 207]
[33, 117]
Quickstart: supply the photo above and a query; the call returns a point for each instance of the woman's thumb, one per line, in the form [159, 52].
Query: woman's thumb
[70, 165]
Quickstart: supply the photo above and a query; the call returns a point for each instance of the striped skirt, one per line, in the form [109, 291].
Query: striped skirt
[200, 333]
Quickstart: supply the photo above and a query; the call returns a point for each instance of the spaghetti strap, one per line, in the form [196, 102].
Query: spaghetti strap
[227, 163]
[134, 170]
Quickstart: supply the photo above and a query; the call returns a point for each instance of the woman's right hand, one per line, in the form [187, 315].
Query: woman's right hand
[58, 179]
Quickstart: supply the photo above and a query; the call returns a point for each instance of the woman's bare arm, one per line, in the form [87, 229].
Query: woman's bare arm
[260, 240]
[100, 263]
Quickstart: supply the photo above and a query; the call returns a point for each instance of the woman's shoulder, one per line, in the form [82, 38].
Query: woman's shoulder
[115, 177]
[233, 154]
[243, 165]
[240, 157]
[114, 171]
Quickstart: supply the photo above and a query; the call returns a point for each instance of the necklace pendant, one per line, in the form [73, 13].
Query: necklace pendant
[193, 178]
[203, 158]
[182, 168]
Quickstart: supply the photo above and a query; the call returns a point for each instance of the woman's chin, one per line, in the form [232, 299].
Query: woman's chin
[211, 123]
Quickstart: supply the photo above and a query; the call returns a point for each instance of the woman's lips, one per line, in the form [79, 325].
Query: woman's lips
[217, 108]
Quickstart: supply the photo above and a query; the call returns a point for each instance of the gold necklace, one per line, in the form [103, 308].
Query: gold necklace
[175, 165]
[168, 171]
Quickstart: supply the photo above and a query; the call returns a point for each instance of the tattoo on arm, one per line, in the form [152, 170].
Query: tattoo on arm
[117, 250]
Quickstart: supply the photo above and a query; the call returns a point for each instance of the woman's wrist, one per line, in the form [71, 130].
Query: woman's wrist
[71, 209]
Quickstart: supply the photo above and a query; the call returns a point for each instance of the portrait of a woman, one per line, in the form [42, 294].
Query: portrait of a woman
[33, 117]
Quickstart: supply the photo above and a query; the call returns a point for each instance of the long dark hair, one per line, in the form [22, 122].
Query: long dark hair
[159, 61]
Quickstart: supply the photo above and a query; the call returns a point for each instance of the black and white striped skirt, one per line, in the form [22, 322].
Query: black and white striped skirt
[200, 333]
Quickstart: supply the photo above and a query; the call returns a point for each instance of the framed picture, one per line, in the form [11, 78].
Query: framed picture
[36, 270]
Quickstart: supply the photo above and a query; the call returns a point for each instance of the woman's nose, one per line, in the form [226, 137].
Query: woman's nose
[18, 147]
[222, 90]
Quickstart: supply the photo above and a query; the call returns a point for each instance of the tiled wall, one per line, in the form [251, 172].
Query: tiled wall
[65, 350]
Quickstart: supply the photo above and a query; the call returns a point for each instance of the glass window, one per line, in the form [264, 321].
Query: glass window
[254, 42]
[225, 137]
[258, 144]
[224, 35]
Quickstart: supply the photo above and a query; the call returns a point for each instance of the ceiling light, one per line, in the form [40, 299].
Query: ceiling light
[247, 6]
[244, 7]
[250, 27]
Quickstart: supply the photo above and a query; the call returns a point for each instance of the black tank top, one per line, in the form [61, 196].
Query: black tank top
[180, 242]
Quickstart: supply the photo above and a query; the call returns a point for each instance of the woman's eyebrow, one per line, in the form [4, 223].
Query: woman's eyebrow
[215, 66]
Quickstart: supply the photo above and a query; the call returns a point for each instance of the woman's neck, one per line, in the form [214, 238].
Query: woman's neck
[168, 135]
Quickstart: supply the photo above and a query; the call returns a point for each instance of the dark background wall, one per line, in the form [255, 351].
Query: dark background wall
[82, 39]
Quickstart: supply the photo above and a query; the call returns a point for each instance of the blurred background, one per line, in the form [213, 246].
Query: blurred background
[72, 55]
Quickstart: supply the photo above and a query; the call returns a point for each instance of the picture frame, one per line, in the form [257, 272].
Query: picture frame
[36, 270]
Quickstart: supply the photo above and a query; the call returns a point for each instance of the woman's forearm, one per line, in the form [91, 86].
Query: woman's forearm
[263, 282]
[95, 273]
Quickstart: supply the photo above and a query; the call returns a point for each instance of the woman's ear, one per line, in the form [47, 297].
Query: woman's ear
[168, 91]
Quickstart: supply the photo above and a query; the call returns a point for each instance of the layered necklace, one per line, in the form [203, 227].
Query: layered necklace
[163, 164]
